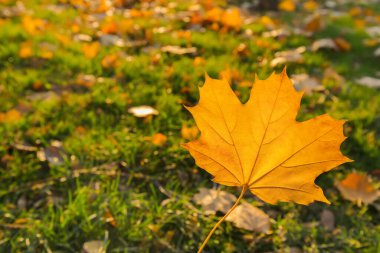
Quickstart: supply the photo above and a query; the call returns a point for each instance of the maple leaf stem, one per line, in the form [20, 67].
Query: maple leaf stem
[245, 187]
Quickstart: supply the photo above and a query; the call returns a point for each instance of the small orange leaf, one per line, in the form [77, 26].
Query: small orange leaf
[33, 26]
[109, 27]
[189, 133]
[90, 50]
[310, 5]
[26, 50]
[159, 139]
[111, 60]
[213, 15]
[199, 61]
[287, 5]
[232, 18]
[10, 116]
[358, 188]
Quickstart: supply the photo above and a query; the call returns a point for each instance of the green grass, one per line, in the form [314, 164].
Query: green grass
[110, 167]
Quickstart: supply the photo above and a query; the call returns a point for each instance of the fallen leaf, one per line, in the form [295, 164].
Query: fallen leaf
[324, 44]
[108, 218]
[213, 15]
[313, 23]
[46, 51]
[11, 116]
[377, 52]
[109, 27]
[342, 44]
[214, 200]
[26, 50]
[86, 80]
[303, 82]
[82, 37]
[94, 247]
[239, 142]
[199, 61]
[111, 40]
[232, 18]
[249, 217]
[328, 219]
[241, 50]
[143, 111]
[110, 60]
[178, 50]
[373, 31]
[231, 75]
[189, 133]
[33, 25]
[310, 5]
[90, 50]
[369, 82]
[358, 188]
[288, 56]
[54, 154]
[267, 22]
[331, 74]
[287, 5]
[159, 139]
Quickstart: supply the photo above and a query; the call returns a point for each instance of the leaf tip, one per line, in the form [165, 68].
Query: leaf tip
[207, 77]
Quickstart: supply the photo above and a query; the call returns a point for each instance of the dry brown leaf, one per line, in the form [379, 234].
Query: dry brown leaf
[313, 23]
[342, 44]
[249, 217]
[214, 200]
[358, 188]
[108, 218]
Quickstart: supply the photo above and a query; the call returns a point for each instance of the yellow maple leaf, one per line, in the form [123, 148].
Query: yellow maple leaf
[260, 146]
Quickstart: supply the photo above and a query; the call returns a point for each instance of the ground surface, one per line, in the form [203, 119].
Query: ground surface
[77, 167]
